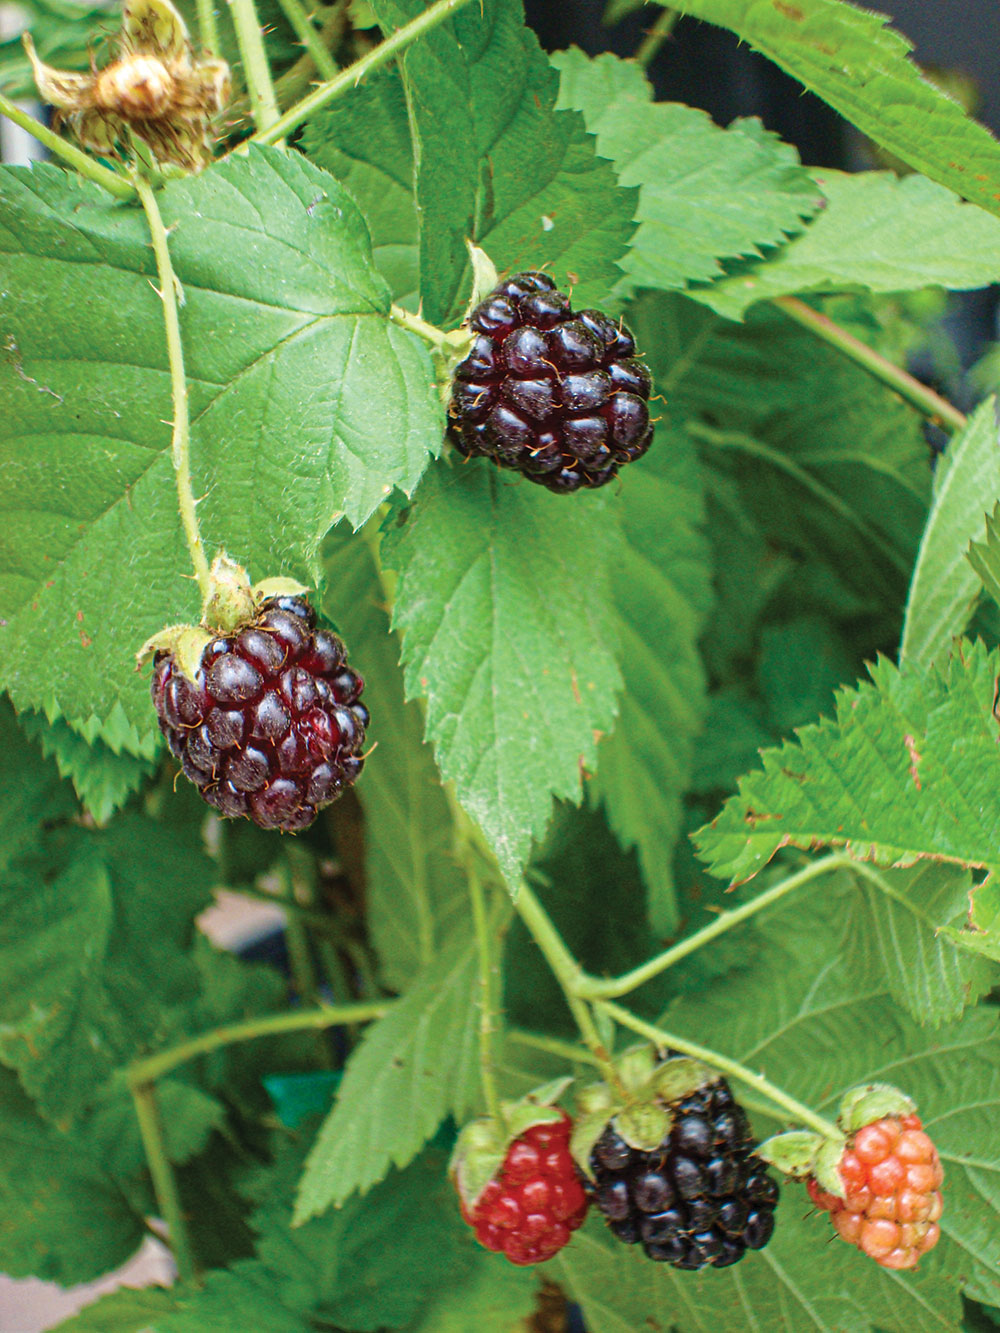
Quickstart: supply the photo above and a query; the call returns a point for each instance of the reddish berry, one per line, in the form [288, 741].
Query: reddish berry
[556, 394]
[271, 727]
[891, 1201]
[529, 1209]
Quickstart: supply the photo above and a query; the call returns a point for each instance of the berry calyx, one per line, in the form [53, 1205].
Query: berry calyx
[555, 394]
[890, 1202]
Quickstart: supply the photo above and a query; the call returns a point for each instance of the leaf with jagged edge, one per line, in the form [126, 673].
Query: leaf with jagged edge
[410, 1070]
[984, 556]
[504, 603]
[307, 403]
[414, 890]
[945, 586]
[30, 791]
[127, 1310]
[661, 592]
[498, 165]
[494, 1298]
[877, 233]
[851, 58]
[907, 770]
[102, 779]
[705, 194]
[62, 1216]
[981, 931]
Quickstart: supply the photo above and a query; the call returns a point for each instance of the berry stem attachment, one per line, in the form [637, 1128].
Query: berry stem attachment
[351, 76]
[180, 445]
[70, 154]
[649, 47]
[147, 1110]
[596, 988]
[429, 332]
[796, 1109]
[925, 400]
[309, 36]
[256, 70]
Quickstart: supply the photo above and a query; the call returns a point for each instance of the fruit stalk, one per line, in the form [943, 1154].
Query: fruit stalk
[487, 997]
[649, 47]
[351, 76]
[208, 29]
[256, 70]
[180, 445]
[310, 38]
[147, 1110]
[70, 154]
[796, 1109]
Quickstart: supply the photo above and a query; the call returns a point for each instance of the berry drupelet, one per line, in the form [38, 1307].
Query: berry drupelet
[272, 726]
[556, 394]
[535, 1201]
[701, 1197]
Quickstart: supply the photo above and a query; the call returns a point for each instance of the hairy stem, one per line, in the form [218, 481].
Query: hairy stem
[353, 74]
[208, 28]
[487, 992]
[256, 70]
[650, 45]
[925, 400]
[180, 445]
[152, 1067]
[596, 988]
[70, 154]
[799, 1112]
[565, 1050]
[310, 38]
[147, 1110]
[429, 332]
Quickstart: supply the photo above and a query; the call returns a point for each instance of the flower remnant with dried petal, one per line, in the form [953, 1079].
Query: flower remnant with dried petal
[156, 91]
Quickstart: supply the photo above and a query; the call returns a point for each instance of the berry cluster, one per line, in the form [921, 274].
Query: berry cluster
[892, 1201]
[701, 1197]
[555, 394]
[529, 1209]
[271, 727]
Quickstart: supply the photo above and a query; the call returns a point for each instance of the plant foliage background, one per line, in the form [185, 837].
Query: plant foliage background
[590, 679]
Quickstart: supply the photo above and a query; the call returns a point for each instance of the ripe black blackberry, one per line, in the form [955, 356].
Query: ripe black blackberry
[554, 393]
[272, 726]
[700, 1197]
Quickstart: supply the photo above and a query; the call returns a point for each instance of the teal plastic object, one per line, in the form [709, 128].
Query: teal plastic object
[298, 1096]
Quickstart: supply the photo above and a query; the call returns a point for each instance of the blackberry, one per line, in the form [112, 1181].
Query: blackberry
[701, 1197]
[272, 726]
[556, 394]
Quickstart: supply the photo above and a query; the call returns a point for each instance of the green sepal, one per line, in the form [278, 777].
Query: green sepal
[826, 1166]
[636, 1067]
[484, 277]
[587, 1129]
[597, 1097]
[278, 587]
[482, 1145]
[229, 602]
[185, 642]
[676, 1078]
[793, 1153]
[644, 1125]
[862, 1105]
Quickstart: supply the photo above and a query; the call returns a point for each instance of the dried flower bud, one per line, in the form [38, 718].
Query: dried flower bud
[155, 91]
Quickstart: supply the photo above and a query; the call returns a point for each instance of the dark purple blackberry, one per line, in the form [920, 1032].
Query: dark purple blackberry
[556, 394]
[272, 727]
[700, 1197]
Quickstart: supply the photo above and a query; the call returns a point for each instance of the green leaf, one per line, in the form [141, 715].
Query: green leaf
[945, 586]
[984, 557]
[241, 1297]
[102, 779]
[111, 1129]
[414, 888]
[907, 770]
[850, 58]
[307, 404]
[127, 1310]
[705, 194]
[410, 1069]
[877, 233]
[661, 593]
[62, 1217]
[30, 791]
[509, 634]
[982, 930]
[496, 164]
[493, 1299]
[894, 933]
[95, 925]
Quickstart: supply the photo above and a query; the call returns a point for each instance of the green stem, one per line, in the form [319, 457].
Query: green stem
[309, 36]
[351, 76]
[147, 1110]
[256, 70]
[597, 988]
[487, 1004]
[650, 45]
[429, 332]
[70, 154]
[180, 446]
[918, 395]
[208, 29]
[152, 1067]
[565, 1050]
[796, 1109]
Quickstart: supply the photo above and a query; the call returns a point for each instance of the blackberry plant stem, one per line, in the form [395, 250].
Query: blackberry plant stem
[208, 29]
[487, 992]
[796, 1109]
[596, 988]
[429, 332]
[310, 38]
[351, 76]
[564, 1050]
[925, 400]
[649, 47]
[256, 70]
[147, 1110]
[180, 445]
[70, 154]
